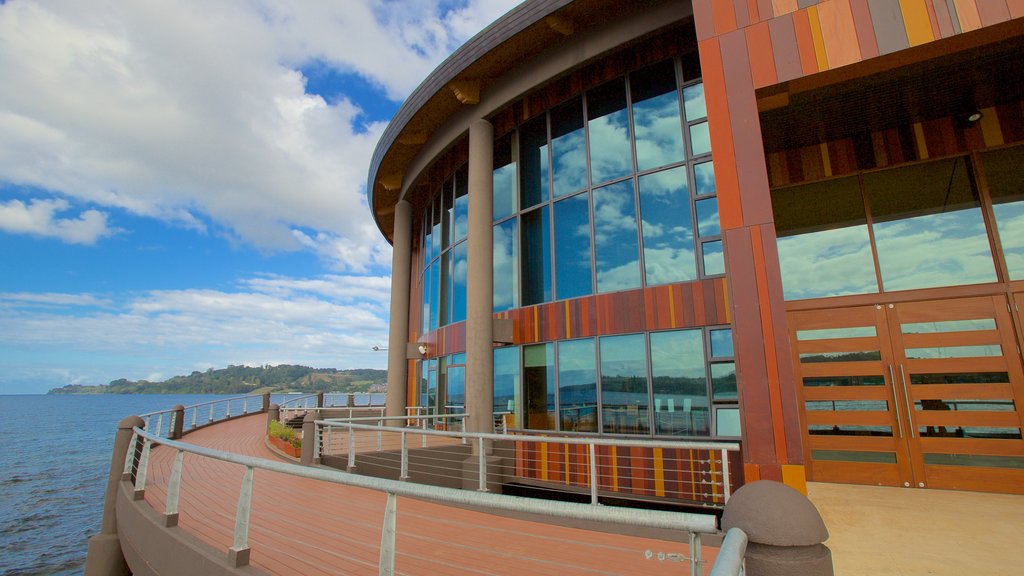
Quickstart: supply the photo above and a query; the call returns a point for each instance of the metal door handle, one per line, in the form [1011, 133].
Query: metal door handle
[896, 407]
[910, 407]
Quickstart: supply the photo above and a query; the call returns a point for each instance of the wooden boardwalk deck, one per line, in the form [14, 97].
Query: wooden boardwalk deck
[301, 526]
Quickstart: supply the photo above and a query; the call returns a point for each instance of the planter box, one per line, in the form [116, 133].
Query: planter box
[285, 447]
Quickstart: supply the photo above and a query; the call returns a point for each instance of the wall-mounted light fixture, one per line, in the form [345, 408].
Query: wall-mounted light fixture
[379, 349]
[422, 349]
[973, 117]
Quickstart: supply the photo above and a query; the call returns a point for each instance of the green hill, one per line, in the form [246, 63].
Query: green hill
[246, 380]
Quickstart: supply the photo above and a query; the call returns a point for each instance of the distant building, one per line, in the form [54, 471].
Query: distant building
[797, 224]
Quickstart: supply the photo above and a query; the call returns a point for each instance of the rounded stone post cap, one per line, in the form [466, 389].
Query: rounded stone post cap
[275, 407]
[131, 422]
[179, 407]
[775, 514]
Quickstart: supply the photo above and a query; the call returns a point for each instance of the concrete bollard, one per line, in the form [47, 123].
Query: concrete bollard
[784, 529]
[104, 557]
[319, 399]
[266, 402]
[308, 439]
[273, 413]
[351, 400]
[177, 423]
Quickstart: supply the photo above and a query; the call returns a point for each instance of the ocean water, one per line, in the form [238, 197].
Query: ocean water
[54, 460]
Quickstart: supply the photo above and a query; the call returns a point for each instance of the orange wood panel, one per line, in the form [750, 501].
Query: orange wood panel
[720, 127]
[805, 42]
[1016, 8]
[760, 51]
[771, 358]
[724, 15]
[819, 43]
[785, 6]
[839, 33]
[967, 12]
[916, 22]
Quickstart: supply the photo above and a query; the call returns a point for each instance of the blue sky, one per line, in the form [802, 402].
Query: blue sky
[182, 186]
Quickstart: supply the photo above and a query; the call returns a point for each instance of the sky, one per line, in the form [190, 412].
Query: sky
[183, 184]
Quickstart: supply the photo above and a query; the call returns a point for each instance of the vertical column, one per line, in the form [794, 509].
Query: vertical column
[401, 271]
[479, 296]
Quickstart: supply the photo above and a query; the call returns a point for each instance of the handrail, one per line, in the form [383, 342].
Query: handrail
[211, 417]
[730, 556]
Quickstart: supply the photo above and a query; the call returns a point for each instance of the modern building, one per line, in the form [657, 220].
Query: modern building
[798, 224]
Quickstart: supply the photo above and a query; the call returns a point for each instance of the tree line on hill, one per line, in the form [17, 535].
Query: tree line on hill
[246, 380]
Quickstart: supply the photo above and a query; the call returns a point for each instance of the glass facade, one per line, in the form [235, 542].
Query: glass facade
[443, 241]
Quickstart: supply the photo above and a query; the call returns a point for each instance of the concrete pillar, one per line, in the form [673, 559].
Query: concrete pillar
[104, 557]
[480, 282]
[785, 532]
[351, 402]
[178, 422]
[319, 399]
[401, 272]
[273, 413]
[266, 402]
[308, 439]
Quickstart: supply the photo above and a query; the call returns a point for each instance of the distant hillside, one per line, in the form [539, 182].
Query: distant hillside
[245, 380]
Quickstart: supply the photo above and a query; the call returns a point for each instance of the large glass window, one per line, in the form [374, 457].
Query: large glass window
[667, 227]
[577, 386]
[658, 136]
[611, 154]
[539, 386]
[455, 385]
[460, 269]
[617, 255]
[1004, 170]
[506, 384]
[460, 212]
[624, 390]
[504, 177]
[568, 149]
[928, 226]
[536, 257]
[679, 382]
[533, 162]
[506, 265]
[573, 271]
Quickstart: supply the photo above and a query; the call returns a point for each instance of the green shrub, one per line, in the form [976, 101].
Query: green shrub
[279, 430]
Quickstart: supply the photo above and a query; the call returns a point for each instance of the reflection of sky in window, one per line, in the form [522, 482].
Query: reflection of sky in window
[459, 270]
[708, 223]
[624, 383]
[572, 248]
[568, 163]
[610, 156]
[506, 266]
[677, 354]
[934, 250]
[693, 102]
[461, 218]
[425, 317]
[659, 138]
[721, 343]
[456, 386]
[714, 258]
[1010, 222]
[832, 262]
[700, 139]
[506, 378]
[668, 238]
[615, 241]
[504, 191]
[704, 177]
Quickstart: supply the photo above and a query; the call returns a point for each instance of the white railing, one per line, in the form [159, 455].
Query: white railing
[162, 423]
[694, 525]
[587, 464]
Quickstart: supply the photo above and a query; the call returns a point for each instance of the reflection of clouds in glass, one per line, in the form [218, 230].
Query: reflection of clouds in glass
[623, 277]
[613, 213]
[569, 163]
[704, 178]
[708, 223]
[700, 139]
[610, 156]
[693, 102]
[665, 265]
[659, 139]
[1010, 222]
[827, 263]
[666, 225]
[504, 191]
[934, 250]
[714, 258]
[678, 354]
[461, 266]
[506, 266]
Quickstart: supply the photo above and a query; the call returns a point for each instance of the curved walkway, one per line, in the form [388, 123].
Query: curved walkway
[301, 526]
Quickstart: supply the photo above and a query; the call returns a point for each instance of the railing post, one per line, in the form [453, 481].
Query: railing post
[227, 411]
[319, 399]
[423, 437]
[405, 459]
[211, 412]
[159, 424]
[176, 430]
[104, 556]
[317, 437]
[129, 457]
[238, 554]
[173, 489]
[195, 414]
[483, 464]
[309, 439]
[726, 488]
[266, 401]
[696, 555]
[380, 435]
[387, 537]
[140, 474]
[351, 449]
[594, 480]
[245, 405]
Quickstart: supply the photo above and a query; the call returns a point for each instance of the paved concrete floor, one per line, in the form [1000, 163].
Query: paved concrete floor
[902, 531]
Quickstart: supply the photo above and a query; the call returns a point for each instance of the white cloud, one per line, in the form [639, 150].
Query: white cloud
[193, 110]
[39, 217]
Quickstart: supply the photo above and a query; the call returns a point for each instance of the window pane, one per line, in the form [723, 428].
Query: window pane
[506, 265]
[708, 223]
[506, 383]
[539, 386]
[460, 218]
[610, 152]
[429, 398]
[573, 274]
[700, 139]
[824, 248]
[533, 161]
[577, 385]
[704, 178]
[615, 242]
[444, 289]
[658, 132]
[459, 269]
[425, 302]
[681, 405]
[1006, 185]
[723, 381]
[624, 385]
[445, 198]
[693, 102]
[504, 179]
[667, 228]
[714, 258]
[536, 257]
[435, 232]
[727, 422]
[568, 150]
[928, 226]
[456, 393]
[435, 278]
[428, 242]
[721, 343]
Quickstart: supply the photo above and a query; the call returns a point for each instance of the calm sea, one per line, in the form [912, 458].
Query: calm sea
[54, 460]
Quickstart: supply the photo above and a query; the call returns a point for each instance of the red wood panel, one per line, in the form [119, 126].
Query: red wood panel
[943, 18]
[1016, 8]
[761, 54]
[993, 11]
[786, 51]
[724, 15]
[805, 42]
[720, 127]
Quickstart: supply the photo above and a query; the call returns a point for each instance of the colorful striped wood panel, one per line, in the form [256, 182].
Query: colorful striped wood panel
[673, 474]
[932, 139]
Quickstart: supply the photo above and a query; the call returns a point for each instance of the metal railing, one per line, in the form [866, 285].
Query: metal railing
[582, 463]
[162, 423]
[730, 555]
[694, 525]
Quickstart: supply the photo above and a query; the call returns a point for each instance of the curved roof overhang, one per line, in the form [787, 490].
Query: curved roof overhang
[525, 32]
